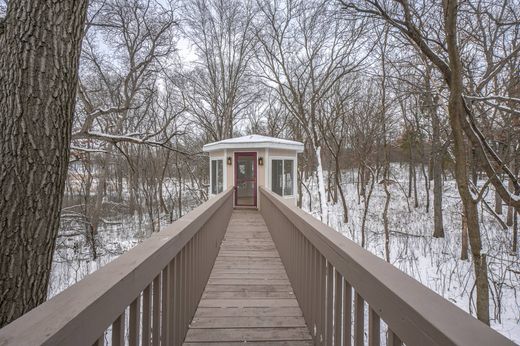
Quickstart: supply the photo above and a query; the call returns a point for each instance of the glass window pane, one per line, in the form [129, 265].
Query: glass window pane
[220, 174]
[288, 173]
[276, 176]
[214, 177]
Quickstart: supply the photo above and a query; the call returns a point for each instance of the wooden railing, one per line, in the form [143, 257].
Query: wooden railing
[335, 281]
[156, 287]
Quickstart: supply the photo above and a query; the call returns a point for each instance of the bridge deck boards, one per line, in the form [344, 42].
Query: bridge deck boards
[248, 297]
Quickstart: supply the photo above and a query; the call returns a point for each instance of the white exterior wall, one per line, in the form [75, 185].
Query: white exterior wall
[263, 175]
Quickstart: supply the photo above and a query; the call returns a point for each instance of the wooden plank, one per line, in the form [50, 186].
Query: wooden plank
[248, 271]
[247, 334]
[248, 322]
[248, 288]
[260, 254]
[254, 343]
[275, 276]
[248, 266]
[263, 311]
[248, 297]
[248, 281]
[247, 303]
[250, 260]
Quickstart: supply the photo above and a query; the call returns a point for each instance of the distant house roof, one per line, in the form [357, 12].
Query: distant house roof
[254, 141]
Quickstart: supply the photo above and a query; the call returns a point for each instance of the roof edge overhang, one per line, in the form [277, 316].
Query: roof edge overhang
[256, 145]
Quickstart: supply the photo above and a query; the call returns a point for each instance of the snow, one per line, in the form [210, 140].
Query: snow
[433, 262]
[254, 141]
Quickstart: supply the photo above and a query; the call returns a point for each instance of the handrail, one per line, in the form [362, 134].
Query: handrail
[174, 264]
[328, 271]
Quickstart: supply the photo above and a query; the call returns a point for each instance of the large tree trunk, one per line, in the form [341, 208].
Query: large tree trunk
[41, 43]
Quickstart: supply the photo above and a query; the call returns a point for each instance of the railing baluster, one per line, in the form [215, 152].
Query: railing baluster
[330, 303]
[164, 306]
[393, 339]
[374, 327]
[338, 302]
[301, 271]
[187, 293]
[347, 314]
[315, 308]
[134, 321]
[170, 302]
[145, 337]
[156, 311]
[193, 286]
[323, 312]
[184, 283]
[359, 321]
[118, 331]
[177, 301]
[306, 286]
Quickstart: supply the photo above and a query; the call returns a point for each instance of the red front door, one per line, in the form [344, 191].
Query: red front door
[245, 179]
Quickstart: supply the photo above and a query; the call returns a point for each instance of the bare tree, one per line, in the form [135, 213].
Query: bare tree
[219, 89]
[304, 60]
[444, 52]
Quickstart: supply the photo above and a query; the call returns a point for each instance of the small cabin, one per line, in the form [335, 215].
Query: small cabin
[248, 162]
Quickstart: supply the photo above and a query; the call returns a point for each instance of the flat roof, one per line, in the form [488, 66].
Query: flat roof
[254, 141]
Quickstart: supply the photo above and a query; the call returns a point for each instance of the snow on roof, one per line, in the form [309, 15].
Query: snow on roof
[254, 141]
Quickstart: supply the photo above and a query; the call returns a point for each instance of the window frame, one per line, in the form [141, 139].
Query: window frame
[224, 174]
[270, 174]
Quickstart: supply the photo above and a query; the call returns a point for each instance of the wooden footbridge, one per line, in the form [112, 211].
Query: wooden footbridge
[275, 276]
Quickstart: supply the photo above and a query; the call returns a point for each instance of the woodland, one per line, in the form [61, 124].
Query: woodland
[409, 112]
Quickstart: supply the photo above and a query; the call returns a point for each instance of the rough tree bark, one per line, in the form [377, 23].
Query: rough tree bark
[40, 47]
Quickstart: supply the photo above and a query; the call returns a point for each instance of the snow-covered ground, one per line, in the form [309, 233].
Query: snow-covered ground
[433, 262]
[72, 257]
